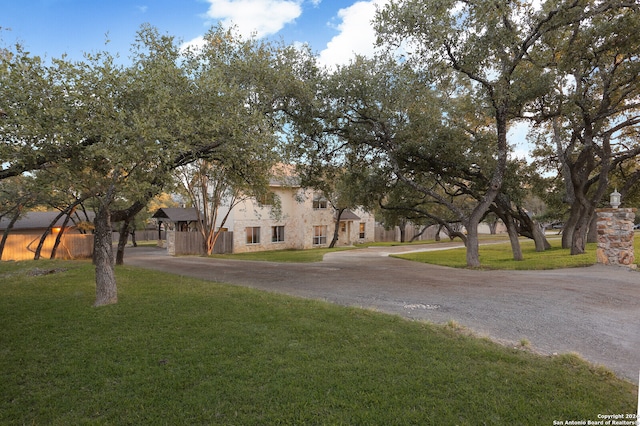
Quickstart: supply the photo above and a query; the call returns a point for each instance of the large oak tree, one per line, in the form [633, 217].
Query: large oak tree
[484, 48]
[591, 115]
[120, 130]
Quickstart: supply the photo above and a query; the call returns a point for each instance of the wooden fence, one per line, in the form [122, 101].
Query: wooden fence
[183, 243]
[23, 246]
[144, 235]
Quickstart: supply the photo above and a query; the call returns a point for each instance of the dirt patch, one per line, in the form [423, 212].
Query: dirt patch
[36, 272]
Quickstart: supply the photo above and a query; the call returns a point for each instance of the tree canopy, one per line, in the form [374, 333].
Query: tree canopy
[118, 131]
[423, 135]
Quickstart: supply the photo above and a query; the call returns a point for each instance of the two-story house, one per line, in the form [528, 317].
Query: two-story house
[303, 220]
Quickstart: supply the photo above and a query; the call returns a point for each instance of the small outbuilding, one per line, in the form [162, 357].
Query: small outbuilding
[38, 222]
[176, 219]
[26, 234]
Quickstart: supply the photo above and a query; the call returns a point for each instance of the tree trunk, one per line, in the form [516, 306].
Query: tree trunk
[59, 236]
[133, 238]
[513, 237]
[581, 227]
[68, 211]
[126, 215]
[47, 231]
[210, 242]
[106, 289]
[122, 241]
[584, 210]
[473, 246]
[570, 226]
[531, 229]
[502, 208]
[564, 162]
[473, 253]
[5, 235]
[583, 206]
[493, 227]
[579, 241]
[336, 228]
[419, 234]
[592, 235]
[403, 231]
[539, 238]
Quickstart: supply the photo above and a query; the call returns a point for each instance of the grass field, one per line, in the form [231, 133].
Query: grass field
[495, 253]
[298, 256]
[181, 351]
[499, 256]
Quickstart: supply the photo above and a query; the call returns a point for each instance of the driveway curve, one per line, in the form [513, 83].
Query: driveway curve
[593, 311]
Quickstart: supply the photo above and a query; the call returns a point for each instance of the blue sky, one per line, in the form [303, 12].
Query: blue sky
[335, 29]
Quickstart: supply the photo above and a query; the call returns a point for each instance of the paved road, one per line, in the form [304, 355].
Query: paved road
[592, 311]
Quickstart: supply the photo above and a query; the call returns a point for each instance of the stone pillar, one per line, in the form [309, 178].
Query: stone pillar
[171, 242]
[615, 237]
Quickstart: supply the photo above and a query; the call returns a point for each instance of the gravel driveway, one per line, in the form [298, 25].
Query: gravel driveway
[592, 311]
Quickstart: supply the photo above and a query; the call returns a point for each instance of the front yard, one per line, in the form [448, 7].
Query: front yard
[176, 350]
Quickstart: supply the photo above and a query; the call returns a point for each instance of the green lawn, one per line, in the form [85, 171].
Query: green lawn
[482, 238]
[493, 256]
[316, 254]
[300, 256]
[500, 256]
[181, 351]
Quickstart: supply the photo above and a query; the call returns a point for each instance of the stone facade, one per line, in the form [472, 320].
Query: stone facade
[615, 237]
[301, 225]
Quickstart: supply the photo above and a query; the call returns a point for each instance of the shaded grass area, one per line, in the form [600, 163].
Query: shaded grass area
[177, 350]
[316, 254]
[500, 256]
[481, 238]
[396, 243]
[289, 255]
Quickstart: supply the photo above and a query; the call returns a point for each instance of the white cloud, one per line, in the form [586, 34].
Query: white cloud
[194, 44]
[262, 17]
[356, 36]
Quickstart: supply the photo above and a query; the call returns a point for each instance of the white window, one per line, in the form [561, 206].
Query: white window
[267, 199]
[277, 234]
[319, 202]
[253, 234]
[319, 235]
[362, 228]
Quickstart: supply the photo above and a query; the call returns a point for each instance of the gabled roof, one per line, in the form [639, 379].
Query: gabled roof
[176, 214]
[38, 220]
[349, 215]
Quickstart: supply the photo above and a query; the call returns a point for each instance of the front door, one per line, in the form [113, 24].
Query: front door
[345, 232]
